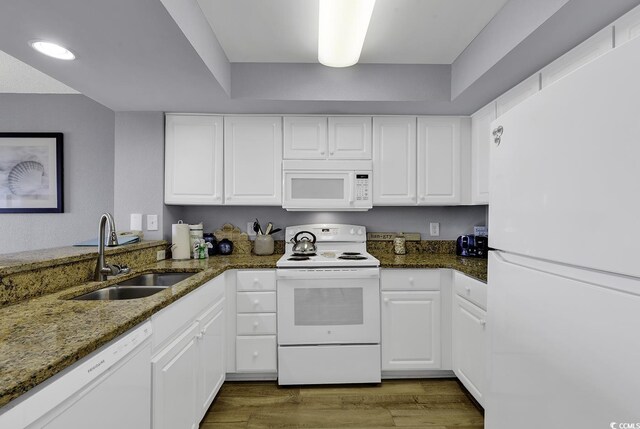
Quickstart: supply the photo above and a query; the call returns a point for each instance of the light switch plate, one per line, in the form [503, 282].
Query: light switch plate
[152, 222]
[434, 229]
[136, 222]
[250, 231]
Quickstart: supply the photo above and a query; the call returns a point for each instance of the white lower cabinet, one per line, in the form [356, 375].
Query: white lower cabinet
[189, 369]
[411, 319]
[469, 334]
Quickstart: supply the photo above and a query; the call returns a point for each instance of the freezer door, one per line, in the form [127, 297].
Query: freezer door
[563, 346]
[565, 178]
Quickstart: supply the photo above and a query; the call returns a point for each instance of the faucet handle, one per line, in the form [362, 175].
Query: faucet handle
[118, 269]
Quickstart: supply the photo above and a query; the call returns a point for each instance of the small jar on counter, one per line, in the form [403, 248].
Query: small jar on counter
[399, 246]
[263, 245]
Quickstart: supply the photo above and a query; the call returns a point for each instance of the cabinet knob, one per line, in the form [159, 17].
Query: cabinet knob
[483, 323]
[255, 324]
[256, 302]
[422, 198]
[255, 280]
[255, 354]
[322, 152]
[331, 152]
[497, 135]
[410, 280]
[386, 300]
[468, 289]
[199, 336]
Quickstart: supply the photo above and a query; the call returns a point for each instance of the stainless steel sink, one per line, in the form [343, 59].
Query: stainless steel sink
[156, 279]
[113, 293]
[137, 287]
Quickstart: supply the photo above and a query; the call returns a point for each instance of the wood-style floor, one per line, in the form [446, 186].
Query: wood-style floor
[433, 404]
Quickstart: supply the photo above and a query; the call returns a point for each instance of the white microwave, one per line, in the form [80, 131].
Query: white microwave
[321, 185]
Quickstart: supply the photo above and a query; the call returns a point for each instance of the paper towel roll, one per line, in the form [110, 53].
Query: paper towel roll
[180, 241]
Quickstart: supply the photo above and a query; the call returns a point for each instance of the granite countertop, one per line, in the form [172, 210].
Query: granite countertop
[42, 336]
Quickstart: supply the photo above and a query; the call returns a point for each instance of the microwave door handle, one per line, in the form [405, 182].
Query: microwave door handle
[352, 188]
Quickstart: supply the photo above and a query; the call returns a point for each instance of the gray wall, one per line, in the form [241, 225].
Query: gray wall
[139, 170]
[453, 220]
[88, 129]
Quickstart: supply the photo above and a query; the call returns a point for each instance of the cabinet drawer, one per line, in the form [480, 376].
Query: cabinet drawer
[256, 354]
[418, 279]
[256, 280]
[256, 324]
[256, 302]
[471, 289]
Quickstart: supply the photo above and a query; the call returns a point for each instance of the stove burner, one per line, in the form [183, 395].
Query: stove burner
[298, 258]
[351, 253]
[352, 257]
[303, 255]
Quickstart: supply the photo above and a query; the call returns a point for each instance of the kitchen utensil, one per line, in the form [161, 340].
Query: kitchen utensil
[269, 228]
[304, 246]
[273, 231]
[256, 227]
[470, 245]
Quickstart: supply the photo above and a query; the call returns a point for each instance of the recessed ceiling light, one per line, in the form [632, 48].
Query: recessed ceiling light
[342, 28]
[52, 50]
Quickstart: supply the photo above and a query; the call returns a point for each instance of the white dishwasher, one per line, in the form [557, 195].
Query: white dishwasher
[110, 388]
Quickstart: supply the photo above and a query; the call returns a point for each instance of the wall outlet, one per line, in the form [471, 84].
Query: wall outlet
[434, 229]
[161, 255]
[152, 222]
[250, 230]
[136, 222]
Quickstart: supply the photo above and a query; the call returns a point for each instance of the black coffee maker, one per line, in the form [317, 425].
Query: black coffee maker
[473, 246]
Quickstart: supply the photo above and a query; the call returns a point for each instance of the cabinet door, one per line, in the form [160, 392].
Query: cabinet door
[174, 372]
[212, 365]
[305, 137]
[193, 160]
[480, 149]
[253, 160]
[410, 330]
[394, 161]
[350, 137]
[438, 160]
[469, 346]
[598, 44]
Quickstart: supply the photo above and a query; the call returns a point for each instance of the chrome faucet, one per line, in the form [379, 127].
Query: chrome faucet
[103, 270]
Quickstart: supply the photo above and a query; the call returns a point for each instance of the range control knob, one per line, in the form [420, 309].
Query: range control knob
[352, 231]
[360, 232]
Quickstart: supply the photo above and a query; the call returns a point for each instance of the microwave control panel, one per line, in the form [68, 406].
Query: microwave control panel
[362, 186]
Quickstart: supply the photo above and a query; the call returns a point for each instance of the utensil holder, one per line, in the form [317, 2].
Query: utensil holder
[263, 245]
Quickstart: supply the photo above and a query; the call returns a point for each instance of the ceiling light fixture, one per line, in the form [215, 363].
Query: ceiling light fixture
[52, 50]
[342, 28]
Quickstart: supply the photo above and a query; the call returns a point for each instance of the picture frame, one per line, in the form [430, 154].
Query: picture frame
[31, 172]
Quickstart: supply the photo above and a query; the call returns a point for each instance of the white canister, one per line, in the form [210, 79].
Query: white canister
[180, 244]
[195, 233]
[399, 245]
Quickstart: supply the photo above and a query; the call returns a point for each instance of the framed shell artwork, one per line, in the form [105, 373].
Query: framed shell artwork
[31, 173]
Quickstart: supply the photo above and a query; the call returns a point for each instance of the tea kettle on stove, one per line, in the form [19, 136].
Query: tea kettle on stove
[304, 246]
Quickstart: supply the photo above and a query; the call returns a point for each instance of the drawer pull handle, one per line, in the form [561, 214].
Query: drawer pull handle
[410, 280]
[199, 336]
[483, 323]
[386, 300]
[256, 302]
[255, 354]
[468, 289]
[255, 280]
[255, 324]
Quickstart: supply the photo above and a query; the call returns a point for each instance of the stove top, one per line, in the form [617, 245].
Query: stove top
[337, 246]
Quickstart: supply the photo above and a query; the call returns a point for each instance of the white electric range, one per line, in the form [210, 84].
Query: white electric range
[329, 309]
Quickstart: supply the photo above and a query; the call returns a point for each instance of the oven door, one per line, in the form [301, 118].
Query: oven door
[326, 190]
[328, 306]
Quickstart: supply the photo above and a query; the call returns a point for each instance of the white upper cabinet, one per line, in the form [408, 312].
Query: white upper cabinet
[627, 27]
[517, 94]
[253, 160]
[394, 160]
[305, 137]
[439, 160]
[350, 137]
[480, 149]
[598, 44]
[193, 160]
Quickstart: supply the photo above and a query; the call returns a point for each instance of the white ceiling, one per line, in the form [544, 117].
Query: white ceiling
[400, 32]
[18, 77]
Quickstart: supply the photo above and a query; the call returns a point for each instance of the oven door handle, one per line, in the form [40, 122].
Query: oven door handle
[320, 274]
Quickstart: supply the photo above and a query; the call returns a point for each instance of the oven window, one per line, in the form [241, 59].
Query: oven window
[328, 306]
[317, 189]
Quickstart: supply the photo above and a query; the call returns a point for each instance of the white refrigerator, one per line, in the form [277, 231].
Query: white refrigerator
[564, 280]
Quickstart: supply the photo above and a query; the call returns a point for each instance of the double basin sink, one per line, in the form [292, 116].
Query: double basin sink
[137, 287]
